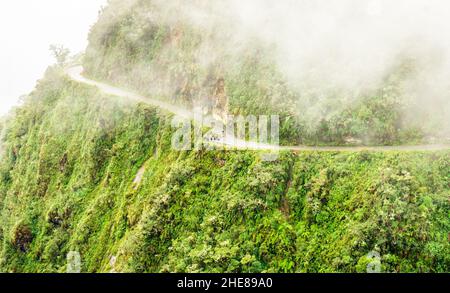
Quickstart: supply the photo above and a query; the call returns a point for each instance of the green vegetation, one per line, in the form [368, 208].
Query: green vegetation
[71, 158]
[67, 185]
[144, 49]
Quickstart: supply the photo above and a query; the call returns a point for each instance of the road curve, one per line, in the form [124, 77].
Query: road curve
[75, 73]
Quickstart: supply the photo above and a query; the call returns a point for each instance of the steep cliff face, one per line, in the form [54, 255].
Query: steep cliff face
[96, 175]
[87, 173]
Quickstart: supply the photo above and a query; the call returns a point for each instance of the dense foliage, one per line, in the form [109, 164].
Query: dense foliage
[68, 183]
[141, 46]
[85, 172]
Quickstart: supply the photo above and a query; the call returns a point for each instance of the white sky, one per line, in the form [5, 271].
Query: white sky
[27, 28]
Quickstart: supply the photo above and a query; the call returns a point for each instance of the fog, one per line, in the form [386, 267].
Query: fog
[27, 28]
[323, 45]
[346, 46]
[351, 43]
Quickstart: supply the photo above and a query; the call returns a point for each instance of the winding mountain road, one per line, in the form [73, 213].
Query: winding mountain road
[75, 73]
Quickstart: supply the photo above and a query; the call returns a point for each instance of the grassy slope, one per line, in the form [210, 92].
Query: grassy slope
[67, 184]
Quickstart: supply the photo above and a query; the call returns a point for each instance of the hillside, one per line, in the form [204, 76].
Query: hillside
[96, 174]
[180, 59]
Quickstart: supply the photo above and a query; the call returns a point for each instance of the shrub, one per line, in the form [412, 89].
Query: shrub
[22, 237]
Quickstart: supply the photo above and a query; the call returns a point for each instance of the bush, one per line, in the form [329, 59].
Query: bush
[22, 237]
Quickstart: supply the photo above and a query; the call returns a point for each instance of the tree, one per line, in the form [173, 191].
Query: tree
[60, 53]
